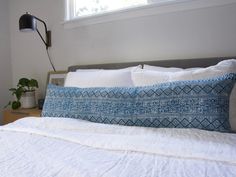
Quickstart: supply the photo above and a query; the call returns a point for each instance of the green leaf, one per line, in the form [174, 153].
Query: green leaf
[33, 83]
[23, 82]
[12, 89]
[15, 105]
[19, 92]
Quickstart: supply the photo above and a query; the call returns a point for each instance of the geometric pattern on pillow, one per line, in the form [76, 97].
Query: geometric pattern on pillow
[202, 104]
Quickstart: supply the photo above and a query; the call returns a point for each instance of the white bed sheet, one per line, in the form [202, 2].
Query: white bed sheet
[73, 148]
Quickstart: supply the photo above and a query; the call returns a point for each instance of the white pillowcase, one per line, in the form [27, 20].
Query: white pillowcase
[161, 69]
[144, 77]
[166, 69]
[85, 78]
[150, 77]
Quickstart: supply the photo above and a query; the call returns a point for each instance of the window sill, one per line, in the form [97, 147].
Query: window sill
[160, 8]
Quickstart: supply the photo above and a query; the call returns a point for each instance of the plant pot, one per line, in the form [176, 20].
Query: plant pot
[28, 99]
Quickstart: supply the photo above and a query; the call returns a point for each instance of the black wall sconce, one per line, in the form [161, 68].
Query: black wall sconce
[28, 23]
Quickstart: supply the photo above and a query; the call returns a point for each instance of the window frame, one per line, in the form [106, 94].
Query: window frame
[141, 11]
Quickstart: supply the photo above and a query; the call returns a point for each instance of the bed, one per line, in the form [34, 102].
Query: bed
[76, 147]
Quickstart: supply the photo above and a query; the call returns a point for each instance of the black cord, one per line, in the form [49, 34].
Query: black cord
[50, 60]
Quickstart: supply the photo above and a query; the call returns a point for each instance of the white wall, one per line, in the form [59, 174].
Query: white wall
[5, 59]
[207, 32]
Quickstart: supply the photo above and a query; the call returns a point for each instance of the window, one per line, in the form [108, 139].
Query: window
[85, 8]
[88, 12]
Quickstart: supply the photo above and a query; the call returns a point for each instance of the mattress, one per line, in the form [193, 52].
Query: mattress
[64, 147]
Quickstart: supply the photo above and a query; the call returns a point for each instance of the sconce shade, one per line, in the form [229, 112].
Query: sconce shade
[27, 22]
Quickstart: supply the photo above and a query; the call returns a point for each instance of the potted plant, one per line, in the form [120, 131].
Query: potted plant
[24, 93]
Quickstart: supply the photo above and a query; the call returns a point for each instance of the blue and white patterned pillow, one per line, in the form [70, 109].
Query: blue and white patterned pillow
[202, 104]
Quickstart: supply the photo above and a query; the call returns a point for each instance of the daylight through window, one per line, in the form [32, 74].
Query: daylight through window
[83, 8]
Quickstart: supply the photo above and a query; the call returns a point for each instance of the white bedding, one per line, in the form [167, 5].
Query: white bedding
[73, 148]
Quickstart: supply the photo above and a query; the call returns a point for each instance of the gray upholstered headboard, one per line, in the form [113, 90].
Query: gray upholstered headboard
[181, 63]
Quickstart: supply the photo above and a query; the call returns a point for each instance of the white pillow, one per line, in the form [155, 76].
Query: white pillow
[100, 78]
[161, 69]
[166, 69]
[144, 77]
[149, 77]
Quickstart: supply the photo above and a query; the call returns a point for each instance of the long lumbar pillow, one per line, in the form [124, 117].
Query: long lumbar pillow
[202, 104]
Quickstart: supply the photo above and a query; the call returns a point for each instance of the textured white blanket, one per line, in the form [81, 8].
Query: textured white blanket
[184, 143]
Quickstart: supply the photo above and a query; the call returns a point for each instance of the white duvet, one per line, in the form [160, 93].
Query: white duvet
[63, 147]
